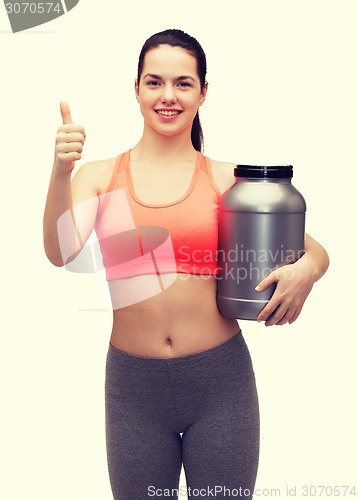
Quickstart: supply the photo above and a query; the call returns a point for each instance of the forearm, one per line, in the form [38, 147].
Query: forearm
[59, 201]
[316, 257]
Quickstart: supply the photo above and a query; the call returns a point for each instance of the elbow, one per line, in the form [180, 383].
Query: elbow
[53, 254]
[318, 256]
[54, 259]
[57, 263]
[326, 258]
[323, 263]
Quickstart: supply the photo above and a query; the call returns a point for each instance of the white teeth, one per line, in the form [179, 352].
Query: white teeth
[168, 113]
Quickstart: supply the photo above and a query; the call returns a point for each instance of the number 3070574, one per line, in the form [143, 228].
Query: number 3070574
[33, 8]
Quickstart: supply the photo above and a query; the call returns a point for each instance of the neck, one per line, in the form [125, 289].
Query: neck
[155, 146]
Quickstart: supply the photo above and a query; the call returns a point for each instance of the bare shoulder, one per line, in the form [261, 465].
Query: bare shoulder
[92, 178]
[223, 173]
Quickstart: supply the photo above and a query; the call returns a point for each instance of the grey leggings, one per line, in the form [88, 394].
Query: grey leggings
[200, 411]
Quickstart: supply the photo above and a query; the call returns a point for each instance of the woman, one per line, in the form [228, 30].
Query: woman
[180, 387]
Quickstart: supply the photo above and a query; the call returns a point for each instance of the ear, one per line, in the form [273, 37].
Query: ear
[136, 89]
[203, 93]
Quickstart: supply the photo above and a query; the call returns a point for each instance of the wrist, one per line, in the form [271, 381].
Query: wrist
[60, 172]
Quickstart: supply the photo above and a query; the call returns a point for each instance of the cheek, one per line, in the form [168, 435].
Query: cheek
[146, 105]
[148, 99]
[194, 100]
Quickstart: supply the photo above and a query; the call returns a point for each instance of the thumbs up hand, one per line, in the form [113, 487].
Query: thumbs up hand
[69, 140]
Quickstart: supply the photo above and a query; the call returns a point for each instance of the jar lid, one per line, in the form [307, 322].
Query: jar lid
[264, 171]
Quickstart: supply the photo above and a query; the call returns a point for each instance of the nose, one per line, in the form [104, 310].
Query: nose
[168, 95]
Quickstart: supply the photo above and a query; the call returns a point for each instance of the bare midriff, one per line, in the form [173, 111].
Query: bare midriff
[180, 320]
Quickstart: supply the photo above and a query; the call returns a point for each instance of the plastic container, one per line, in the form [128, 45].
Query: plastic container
[261, 227]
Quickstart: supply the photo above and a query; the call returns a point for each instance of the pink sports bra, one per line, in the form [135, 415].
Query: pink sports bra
[138, 238]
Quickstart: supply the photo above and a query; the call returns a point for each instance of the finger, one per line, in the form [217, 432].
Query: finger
[269, 308]
[71, 132]
[266, 282]
[69, 147]
[286, 318]
[278, 315]
[71, 137]
[295, 316]
[65, 112]
[69, 157]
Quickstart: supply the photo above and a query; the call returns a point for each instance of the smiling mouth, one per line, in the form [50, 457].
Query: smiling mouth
[167, 113]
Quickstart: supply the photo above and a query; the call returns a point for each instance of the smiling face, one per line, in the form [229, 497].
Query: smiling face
[169, 91]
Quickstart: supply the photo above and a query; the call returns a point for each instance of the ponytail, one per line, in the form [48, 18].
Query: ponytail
[197, 137]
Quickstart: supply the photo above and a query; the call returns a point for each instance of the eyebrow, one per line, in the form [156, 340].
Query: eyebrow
[158, 77]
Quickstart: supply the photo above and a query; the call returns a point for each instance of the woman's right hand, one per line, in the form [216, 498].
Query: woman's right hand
[69, 141]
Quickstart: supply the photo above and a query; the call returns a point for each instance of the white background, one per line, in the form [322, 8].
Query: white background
[282, 87]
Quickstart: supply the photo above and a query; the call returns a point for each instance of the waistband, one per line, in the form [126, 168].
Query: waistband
[207, 355]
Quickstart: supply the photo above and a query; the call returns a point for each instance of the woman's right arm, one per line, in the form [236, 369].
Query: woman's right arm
[71, 206]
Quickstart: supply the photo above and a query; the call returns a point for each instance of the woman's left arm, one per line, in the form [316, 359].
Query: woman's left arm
[293, 284]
